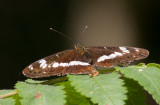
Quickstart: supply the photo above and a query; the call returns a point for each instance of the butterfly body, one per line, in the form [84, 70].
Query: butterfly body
[82, 60]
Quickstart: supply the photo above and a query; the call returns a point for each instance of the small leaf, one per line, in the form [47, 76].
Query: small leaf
[148, 77]
[153, 64]
[72, 96]
[136, 94]
[105, 89]
[141, 64]
[6, 101]
[37, 94]
[33, 81]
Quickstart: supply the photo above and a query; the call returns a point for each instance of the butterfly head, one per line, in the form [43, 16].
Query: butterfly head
[80, 49]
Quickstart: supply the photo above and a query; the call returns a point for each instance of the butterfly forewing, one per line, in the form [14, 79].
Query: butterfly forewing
[65, 62]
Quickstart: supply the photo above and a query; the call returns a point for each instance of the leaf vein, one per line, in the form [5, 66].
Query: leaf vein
[103, 90]
[151, 83]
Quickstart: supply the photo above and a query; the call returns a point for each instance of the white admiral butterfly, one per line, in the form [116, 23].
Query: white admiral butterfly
[83, 60]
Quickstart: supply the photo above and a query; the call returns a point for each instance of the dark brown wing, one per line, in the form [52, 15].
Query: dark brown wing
[111, 56]
[65, 62]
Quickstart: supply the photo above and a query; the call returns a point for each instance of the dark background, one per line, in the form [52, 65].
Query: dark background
[25, 36]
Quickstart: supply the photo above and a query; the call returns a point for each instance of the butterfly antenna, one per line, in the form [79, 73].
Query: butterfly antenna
[52, 29]
[84, 29]
[80, 37]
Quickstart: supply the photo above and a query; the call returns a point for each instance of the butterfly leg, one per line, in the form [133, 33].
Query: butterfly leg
[94, 73]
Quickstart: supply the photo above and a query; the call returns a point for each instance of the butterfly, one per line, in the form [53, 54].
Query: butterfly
[83, 60]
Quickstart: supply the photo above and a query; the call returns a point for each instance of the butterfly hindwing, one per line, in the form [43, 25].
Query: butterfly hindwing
[111, 56]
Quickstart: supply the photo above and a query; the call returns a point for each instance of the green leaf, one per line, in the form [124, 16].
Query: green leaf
[72, 96]
[148, 77]
[105, 89]
[153, 64]
[6, 101]
[17, 99]
[3, 92]
[37, 94]
[136, 94]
